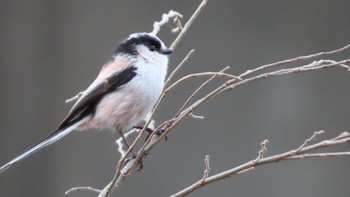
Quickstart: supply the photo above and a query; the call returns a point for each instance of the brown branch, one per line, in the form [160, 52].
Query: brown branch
[300, 58]
[229, 85]
[292, 154]
[317, 65]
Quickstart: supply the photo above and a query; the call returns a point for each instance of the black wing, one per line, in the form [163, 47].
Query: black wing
[87, 105]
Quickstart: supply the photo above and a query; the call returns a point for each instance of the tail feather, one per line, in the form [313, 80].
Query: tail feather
[55, 136]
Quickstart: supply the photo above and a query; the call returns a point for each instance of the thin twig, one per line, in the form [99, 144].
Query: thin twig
[207, 167]
[165, 20]
[188, 24]
[74, 98]
[343, 135]
[319, 155]
[307, 68]
[75, 189]
[262, 151]
[203, 74]
[305, 57]
[307, 141]
[179, 67]
[197, 90]
[196, 116]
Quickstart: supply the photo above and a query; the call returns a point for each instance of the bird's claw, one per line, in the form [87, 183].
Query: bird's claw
[139, 162]
[150, 131]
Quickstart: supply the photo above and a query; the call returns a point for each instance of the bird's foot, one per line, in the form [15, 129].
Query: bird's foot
[159, 132]
[139, 162]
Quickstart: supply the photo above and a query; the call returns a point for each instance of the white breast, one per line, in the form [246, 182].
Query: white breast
[129, 105]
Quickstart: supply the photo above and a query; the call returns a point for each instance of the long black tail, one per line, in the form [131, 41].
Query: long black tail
[55, 136]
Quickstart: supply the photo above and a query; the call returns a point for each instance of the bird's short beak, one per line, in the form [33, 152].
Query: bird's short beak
[166, 51]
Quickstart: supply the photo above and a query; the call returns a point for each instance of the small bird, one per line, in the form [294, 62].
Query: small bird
[124, 92]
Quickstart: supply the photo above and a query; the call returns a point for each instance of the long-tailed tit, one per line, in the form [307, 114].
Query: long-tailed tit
[124, 92]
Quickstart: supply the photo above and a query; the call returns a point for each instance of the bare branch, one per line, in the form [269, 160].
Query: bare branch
[292, 154]
[300, 58]
[229, 85]
[317, 65]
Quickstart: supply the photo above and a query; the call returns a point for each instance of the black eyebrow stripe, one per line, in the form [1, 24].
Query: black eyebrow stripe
[128, 46]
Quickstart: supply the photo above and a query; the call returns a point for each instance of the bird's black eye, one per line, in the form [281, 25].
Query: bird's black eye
[152, 48]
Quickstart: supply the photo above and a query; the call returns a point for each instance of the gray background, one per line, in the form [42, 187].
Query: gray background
[52, 49]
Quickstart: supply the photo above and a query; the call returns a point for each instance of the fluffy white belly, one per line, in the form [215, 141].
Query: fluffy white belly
[129, 105]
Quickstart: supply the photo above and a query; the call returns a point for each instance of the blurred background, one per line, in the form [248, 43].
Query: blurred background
[50, 50]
